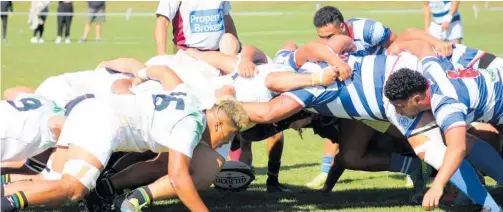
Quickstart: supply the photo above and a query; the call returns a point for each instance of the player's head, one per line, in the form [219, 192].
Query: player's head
[225, 119]
[407, 91]
[329, 21]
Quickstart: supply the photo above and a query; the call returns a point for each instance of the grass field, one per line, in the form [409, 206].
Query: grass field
[23, 63]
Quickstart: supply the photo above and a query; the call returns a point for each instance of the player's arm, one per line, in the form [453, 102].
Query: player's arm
[273, 111]
[453, 9]
[230, 27]
[315, 51]
[122, 86]
[180, 179]
[426, 15]
[166, 11]
[444, 48]
[451, 118]
[283, 81]
[419, 48]
[168, 78]
[253, 54]
[219, 60]
[123, 65]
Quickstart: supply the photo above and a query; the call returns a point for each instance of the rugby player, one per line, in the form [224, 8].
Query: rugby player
[446, 23]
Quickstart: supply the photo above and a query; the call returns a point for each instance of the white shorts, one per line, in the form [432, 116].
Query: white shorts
[455, 31]
[93, 126]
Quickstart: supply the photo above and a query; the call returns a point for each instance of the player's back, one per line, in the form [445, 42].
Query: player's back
[24, 128]
[147, 119]
[480, 91]
[361, 96]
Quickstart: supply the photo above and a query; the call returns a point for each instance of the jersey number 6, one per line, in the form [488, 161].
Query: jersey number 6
[26, 104]
[162, 101]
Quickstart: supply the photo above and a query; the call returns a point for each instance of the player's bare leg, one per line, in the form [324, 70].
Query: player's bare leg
[56, 192]
[229, 44]
[275, 151]
[330, 151]
[205, 166]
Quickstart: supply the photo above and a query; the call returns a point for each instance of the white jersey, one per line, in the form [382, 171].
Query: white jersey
[196, 24]
[24, 130]
[150, 121]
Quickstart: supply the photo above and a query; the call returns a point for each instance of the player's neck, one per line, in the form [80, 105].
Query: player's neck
[207, 137]
[56, 124]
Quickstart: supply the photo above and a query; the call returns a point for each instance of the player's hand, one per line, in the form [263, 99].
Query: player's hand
[226, 90]
[344, 71]
[329, 76]
[444, 48]
[247, 68]
[445, 26]
[431, 199]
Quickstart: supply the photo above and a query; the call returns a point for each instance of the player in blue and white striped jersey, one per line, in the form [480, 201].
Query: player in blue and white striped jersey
[446, 24]
[456, 97]
[361, 97]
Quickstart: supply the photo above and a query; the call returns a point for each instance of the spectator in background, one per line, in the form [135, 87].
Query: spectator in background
[6, 6]
[64, 20]
[446, 24]
[36, 20]
[96, 14]
[190, 28]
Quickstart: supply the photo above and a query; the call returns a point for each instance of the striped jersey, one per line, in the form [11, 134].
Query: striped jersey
[196, 24]
[439, 9]
[369, 35]
[461, 96]
[359, 97]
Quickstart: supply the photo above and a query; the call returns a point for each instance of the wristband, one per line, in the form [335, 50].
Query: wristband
[447, 18]
[142, 74]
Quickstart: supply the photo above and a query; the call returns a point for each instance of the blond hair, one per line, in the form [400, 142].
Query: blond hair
[235, 111]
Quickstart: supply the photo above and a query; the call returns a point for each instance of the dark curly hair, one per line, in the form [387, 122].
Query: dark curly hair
[327, 15]
[404, 83]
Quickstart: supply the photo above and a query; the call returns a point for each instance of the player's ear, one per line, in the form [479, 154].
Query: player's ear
[417, 98]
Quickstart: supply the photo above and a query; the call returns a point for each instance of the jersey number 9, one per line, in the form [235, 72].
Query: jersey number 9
[26, 104]
[162, 101]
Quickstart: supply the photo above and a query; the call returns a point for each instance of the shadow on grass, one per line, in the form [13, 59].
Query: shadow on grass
[301, 199]
[263, 170]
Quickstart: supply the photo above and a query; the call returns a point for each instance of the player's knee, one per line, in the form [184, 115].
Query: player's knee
[290, 46]
[73, 189]
[80, 177]
[229, 44]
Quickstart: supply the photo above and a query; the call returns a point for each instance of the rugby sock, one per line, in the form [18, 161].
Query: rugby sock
[142, 194]
[235, 155]
[14, 202]
[404, 164]
[485, 159]
[467, 181]
[326, 163]
[273, 171]
[5, 179]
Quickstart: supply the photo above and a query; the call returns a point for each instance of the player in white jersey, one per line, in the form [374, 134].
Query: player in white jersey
[170, 122]
[30, 125]
[200, 25]
[446, 23]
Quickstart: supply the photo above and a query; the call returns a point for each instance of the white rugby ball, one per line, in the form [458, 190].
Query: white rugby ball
[234, 176]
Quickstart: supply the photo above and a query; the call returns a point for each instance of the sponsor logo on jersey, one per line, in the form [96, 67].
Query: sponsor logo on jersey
[202, 21]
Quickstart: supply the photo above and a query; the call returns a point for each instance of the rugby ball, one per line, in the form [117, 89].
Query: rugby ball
[234, 176]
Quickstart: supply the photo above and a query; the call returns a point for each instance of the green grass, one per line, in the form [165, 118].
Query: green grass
[23, 63]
